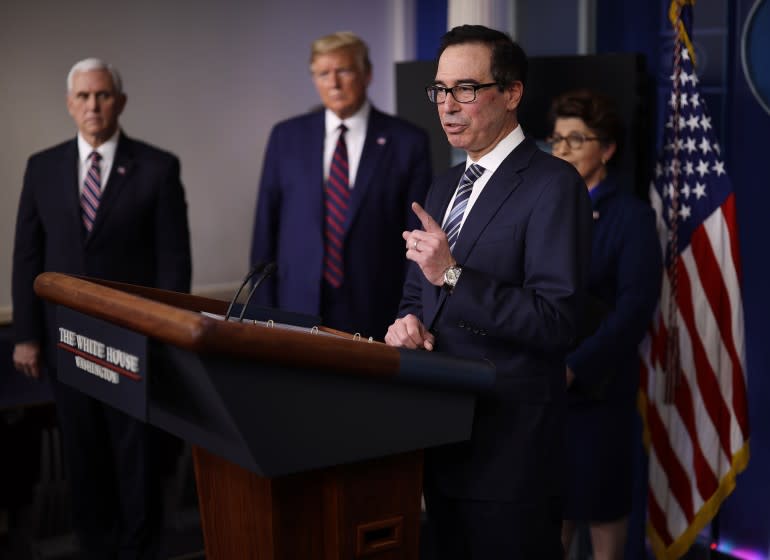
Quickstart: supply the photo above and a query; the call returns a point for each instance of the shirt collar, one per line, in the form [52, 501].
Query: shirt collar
[106, 150]
[491, 161]
[356, 122]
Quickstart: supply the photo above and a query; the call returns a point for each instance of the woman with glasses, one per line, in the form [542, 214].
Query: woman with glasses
[603, 370]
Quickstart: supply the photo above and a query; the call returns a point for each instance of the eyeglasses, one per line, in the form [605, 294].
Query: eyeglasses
[574, 140]
[463, 93]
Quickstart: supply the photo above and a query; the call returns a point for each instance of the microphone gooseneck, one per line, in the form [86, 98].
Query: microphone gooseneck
[256, 269]
[267, 271]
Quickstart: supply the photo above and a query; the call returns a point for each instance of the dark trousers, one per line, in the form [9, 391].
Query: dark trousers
[483, 530]
[114, 478]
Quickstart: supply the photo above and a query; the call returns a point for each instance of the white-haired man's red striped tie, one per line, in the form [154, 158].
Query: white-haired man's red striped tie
[92, 191]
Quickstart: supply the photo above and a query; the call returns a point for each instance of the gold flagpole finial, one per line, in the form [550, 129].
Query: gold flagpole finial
[674, 15]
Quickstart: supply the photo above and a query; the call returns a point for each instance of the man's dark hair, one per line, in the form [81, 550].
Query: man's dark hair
[509, 62]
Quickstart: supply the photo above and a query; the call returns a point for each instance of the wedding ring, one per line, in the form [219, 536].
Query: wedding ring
[414, 245]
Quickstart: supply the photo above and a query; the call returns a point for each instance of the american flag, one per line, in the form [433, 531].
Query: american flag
[693, 385]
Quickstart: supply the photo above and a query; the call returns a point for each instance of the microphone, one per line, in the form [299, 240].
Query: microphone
[257, 268]
[267, 271]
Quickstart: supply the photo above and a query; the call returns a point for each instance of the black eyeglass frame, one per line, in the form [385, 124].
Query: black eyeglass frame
[581, 139]
[446, 90]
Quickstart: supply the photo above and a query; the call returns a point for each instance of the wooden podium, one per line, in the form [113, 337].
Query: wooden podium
[306, 441]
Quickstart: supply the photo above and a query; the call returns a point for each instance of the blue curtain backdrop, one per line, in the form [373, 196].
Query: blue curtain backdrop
[745, 519]
[431, 25]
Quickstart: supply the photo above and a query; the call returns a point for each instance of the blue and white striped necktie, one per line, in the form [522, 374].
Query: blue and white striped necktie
[455, 218]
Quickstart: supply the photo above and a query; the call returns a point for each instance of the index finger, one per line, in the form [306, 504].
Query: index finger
[429, 224]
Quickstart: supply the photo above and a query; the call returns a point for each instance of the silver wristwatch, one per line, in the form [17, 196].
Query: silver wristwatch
[451, 276]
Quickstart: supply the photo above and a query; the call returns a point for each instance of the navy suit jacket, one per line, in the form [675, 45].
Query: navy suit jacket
[140, 233]
[288, 229]
[625, 279]
[524, 249]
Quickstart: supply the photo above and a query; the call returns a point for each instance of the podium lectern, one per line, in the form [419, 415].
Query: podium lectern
[306, 442]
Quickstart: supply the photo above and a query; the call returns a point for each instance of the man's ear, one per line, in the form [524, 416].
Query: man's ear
[515, 92]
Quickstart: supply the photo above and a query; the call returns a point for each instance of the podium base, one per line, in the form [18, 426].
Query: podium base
[362, 510]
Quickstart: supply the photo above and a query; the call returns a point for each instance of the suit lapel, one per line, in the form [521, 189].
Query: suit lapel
[496, 191]
[447, 192]
[312, 162]
[375, 144]
[68, 172]
[116, 182]
[437, 209]
[500, 186]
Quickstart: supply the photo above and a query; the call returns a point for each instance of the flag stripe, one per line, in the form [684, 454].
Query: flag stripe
[705, 375]
[704, 436]
[718, 228]
[721, 232]
[690, 446]
[657, 519]
[660, 485]
[729, 211]
[670, 463]
[715, 291]
[681, 422]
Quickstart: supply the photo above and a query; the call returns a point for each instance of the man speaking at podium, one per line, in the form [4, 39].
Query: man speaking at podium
[497, 273]
[107, 206]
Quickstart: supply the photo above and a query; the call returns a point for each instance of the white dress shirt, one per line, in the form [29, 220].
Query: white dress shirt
[490, 162]
[354, 139]
[106, 150]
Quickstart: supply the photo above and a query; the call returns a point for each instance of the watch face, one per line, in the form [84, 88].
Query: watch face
[451, 275]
